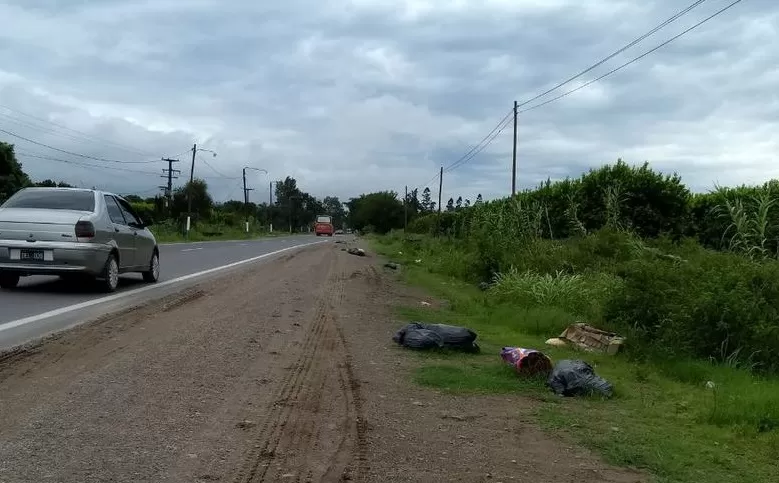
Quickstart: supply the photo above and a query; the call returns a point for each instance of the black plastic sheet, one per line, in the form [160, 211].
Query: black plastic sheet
[577, 378]
[428, 336]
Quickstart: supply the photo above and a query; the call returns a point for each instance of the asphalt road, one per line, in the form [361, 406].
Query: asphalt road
[39, 295]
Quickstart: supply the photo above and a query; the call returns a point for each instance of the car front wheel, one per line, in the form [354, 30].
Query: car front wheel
[153, 274]
[9, 280]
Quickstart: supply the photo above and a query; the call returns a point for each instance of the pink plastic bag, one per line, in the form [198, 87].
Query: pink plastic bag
[526, 362]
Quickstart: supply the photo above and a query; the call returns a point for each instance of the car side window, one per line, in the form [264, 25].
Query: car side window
[114, 211]
[127, 211]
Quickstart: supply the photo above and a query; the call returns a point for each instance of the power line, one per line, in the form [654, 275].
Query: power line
[81, 133]
[64, 151]
[494, 134]
[86, 165]
[663, 24]
[505, 121]
[636, 59]
[494, 129]
[220, 175]
[475, 149]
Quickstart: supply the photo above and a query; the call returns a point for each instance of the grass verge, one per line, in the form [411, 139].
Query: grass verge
[171, 234]
[664, 418]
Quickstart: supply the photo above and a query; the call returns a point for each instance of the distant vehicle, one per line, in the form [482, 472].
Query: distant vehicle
[348, 231]
[339, 232]
[74, 233]
[324, 225]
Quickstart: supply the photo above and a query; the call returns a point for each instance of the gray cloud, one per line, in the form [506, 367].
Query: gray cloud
[351, 96]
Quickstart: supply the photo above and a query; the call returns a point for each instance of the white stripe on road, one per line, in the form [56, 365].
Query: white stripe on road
[110, 298]
[191, 249]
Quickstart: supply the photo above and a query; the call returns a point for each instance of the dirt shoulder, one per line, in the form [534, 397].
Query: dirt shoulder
[283, 372]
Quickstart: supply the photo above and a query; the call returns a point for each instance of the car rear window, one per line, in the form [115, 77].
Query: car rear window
[323, 219]
[53, 200]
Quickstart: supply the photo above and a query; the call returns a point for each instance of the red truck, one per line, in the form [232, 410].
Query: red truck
[324, 225]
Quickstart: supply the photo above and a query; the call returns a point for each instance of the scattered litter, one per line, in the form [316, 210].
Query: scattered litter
[577, 378]
[356, 251]
[392, 265]
[418, 260]
[246, 424]
[424, 304]
[556, 342]
[429, 336]
[588, 338]
[527, 362]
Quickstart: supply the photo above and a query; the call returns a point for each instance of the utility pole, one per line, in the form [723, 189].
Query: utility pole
[514, 157]
[170, 174]
[189, 187]
[440, 187]
[405, 212]
[270, 207]
[245, 190]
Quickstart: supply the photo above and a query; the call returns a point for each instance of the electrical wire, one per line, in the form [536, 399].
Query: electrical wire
[87, 136]
[477, 148]
[494, 129]
[494, 135]
[220, 175]
[86, 165]
[663, 24]
[85, 156]
[635, 59]
[503, 123]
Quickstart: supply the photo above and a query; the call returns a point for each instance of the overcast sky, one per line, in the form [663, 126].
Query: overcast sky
[353, 96]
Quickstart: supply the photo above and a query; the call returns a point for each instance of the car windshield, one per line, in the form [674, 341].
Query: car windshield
[53, 200]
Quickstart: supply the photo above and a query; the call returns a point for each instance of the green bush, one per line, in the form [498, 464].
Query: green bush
[423, 225]
[145, 210]
[714, 305]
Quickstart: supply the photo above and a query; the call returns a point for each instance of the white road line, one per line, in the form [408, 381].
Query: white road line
[191, 249]
[110, 298]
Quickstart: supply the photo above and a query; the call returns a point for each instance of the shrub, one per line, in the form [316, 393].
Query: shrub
[715, 305]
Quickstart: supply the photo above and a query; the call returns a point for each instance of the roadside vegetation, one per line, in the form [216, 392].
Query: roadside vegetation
[292, 211]
[692, 280]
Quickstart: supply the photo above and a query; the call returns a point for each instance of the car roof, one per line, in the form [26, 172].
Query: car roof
[53, 188]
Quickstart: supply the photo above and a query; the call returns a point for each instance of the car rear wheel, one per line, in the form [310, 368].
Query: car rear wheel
[9, 280]
[153, 274]
[109, 279]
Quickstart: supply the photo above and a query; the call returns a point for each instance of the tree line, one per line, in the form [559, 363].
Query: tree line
[292, 208]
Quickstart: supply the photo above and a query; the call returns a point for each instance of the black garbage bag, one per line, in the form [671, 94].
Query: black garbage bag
[577, 378]
[427, 336]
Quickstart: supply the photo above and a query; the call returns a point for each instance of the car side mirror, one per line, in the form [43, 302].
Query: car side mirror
[140, 225]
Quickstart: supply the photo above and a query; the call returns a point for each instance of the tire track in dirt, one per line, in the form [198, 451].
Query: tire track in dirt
[313, 429]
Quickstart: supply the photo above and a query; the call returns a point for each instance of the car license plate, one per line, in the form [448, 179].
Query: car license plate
[31, 255]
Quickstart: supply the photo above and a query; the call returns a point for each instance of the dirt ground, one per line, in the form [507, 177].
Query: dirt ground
[282, 372]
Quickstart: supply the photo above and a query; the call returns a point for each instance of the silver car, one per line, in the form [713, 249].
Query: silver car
[74, 232]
